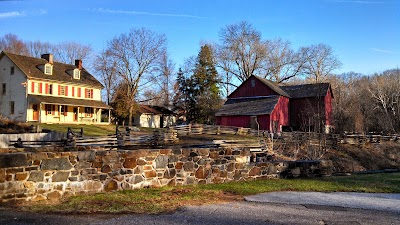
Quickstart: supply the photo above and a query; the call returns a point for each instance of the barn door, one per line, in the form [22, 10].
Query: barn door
[253, 123]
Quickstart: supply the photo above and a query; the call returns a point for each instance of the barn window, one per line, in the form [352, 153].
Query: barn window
[253, 83]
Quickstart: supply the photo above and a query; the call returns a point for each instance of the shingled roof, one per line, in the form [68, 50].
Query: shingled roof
[154, 110]
[29, 66]
[249, 106]
[307, 90]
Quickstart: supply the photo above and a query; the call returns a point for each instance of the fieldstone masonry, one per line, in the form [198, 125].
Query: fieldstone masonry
[44, 174]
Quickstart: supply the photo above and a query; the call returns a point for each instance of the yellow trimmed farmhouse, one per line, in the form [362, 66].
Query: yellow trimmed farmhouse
[44, 91]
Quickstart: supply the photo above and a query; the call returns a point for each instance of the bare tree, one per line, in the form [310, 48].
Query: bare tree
[242, 51]
[106, 67]
[165, 78]
[68, 52]
[11, 43]
[319, 61]
[282, 63]
[37, 48]
[137, 54]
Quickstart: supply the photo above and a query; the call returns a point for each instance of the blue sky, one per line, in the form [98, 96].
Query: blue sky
[365, 34]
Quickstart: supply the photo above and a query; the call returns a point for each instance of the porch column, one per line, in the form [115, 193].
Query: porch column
[78, 116]
[99, 116]
[59, 113]
[40, 112]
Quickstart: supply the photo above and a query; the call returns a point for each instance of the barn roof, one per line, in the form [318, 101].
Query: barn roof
[151, 109]
[307, 90]
[29, 66]
[251, 106]
[274, 86]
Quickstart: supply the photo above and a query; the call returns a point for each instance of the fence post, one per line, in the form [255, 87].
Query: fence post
[81, 131]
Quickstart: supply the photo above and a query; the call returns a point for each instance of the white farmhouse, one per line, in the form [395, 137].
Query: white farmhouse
[44, 91]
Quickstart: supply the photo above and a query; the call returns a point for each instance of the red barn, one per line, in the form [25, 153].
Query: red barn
[261, 104]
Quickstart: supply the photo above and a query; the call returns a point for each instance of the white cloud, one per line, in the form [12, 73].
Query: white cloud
[383, 51]
[6, 15]
[11, 14]
[101, 10]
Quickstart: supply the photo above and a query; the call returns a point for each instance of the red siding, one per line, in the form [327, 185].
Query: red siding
[236, 121]
[264, 122]
[302, 110]
[281, 112]
[247, 90]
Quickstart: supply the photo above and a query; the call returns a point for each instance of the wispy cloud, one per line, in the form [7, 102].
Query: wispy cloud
[360, 2]
[101, 10]
[5, 15]
[383, 51]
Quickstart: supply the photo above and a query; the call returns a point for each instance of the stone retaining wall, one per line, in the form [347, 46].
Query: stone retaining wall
[52, 175]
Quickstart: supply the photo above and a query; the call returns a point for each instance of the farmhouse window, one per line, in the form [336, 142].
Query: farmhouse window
[48, 109]
[4, 88]
[89, 93]
[64, 110]
[48, 69]
[49, 89]
[62, 90]
[12, 70]
[12, 107]
[88, 112]
[77, 74]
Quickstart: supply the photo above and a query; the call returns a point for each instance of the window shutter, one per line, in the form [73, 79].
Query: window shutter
[91, 93]
[33, 87]
[86, 93]
[79, 92]
[40, 88]
[73, 91]
[47, 88]
[65, 110]
[53, 109]
[59, 90]
[66, 90]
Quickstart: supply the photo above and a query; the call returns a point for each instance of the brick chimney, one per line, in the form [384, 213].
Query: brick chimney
[78, 63]
[48, 57]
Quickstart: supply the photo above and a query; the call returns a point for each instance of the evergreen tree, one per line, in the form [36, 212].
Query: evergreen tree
[206, 91]
[198, 96]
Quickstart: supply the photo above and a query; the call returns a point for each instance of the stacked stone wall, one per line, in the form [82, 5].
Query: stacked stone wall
[44, 174]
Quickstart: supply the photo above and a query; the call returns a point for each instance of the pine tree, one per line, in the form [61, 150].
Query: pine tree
[198, 95]
[206, 91]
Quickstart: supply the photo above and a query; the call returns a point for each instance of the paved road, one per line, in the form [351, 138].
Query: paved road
[374, 201]
[245, 212]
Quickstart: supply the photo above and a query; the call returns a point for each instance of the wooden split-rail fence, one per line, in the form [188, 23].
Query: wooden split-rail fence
[125, 137]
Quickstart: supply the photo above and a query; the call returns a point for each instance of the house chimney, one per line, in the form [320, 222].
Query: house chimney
[78, 63]
[48, 57]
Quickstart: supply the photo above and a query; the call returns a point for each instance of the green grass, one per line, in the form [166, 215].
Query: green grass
[167, 199]
[88, 130]
[373, 183]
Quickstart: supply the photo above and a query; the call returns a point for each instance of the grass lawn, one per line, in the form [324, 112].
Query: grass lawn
[167, 199]
[88, 130]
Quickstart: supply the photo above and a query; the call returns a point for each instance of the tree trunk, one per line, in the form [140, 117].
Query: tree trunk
[130, 116]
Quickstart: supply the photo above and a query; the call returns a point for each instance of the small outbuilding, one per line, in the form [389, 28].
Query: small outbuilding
[154, 117]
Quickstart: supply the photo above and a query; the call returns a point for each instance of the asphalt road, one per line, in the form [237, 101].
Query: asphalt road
[267, 210]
